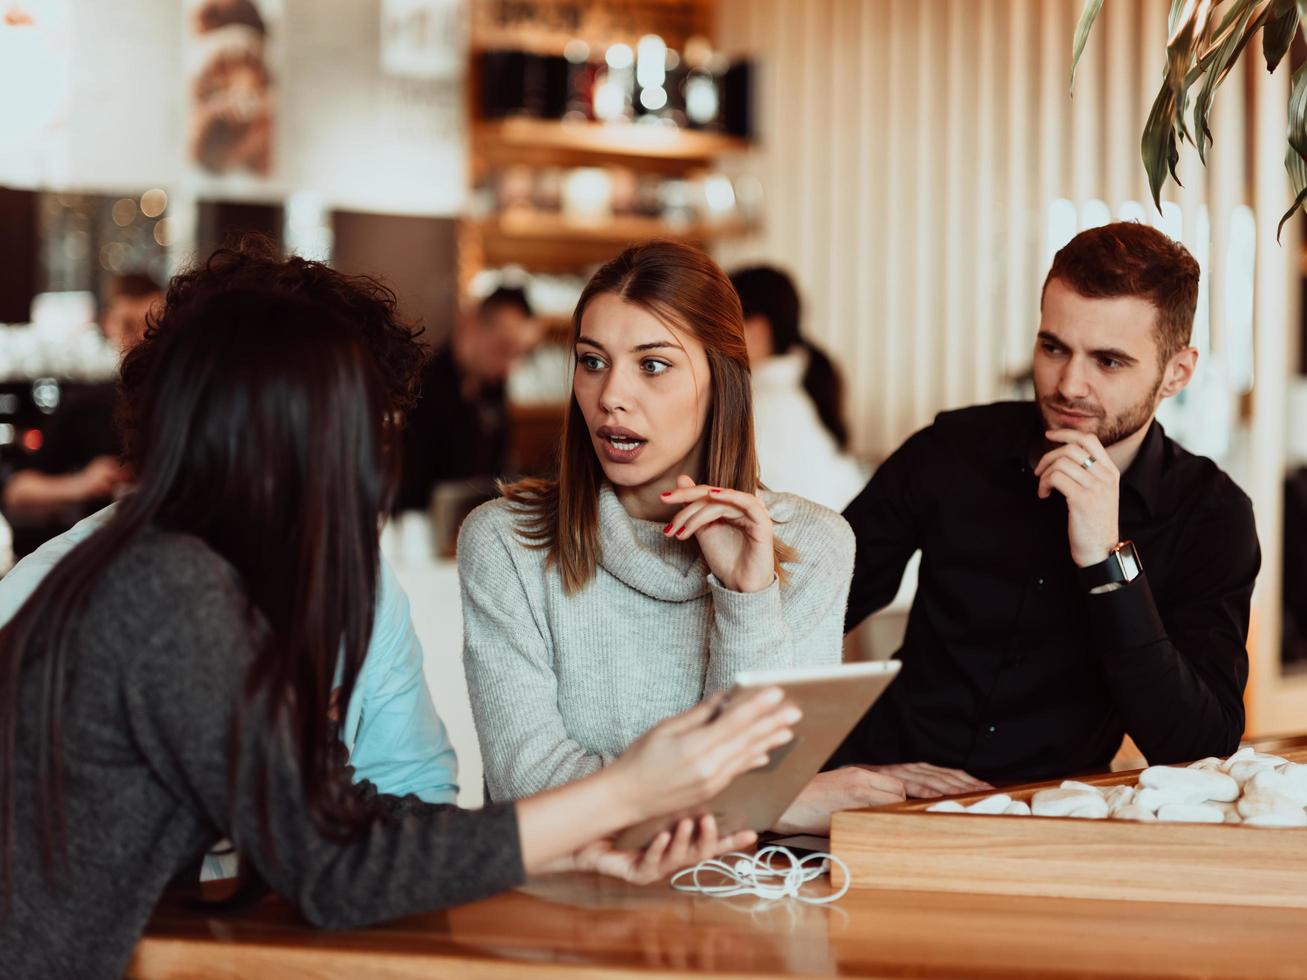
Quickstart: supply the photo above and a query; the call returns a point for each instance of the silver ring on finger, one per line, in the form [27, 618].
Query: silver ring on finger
[1087, 463]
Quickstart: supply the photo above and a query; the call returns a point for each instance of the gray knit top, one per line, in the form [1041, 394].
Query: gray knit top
[155, 776]
[561, 685]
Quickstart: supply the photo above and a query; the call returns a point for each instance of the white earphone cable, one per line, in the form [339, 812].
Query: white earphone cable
[756, 874]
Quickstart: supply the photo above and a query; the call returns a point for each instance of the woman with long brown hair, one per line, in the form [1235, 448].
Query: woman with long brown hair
[170, 682]
[654, 567]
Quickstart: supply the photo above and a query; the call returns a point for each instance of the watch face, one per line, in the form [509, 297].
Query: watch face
[1129, 559]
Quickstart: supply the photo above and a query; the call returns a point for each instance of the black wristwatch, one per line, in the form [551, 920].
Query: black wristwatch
[1121, 566]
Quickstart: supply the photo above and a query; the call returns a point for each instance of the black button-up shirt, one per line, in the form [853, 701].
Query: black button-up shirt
[1011, 669]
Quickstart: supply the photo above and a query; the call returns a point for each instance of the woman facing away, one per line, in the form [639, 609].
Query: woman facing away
[170, 682]
[798, 409]
[648, 573]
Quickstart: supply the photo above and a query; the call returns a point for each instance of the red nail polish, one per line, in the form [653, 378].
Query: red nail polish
[665, 493]
[667, 528]
[715, 490]
[680, 532]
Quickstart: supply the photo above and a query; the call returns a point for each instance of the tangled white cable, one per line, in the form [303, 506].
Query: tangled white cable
[756, 874]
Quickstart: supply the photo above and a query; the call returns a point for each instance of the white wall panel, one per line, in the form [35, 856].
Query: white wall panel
[909, 153]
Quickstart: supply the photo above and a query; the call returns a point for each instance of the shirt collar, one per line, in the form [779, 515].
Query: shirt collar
[1145, 474]
[1026, 435]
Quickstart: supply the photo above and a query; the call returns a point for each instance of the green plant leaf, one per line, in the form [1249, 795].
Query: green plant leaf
[1279, 31]
[1158, 146]
[1295, 157]
[1290, 162]
[1297, 112]
[1189, 29]
[1214, 64]
[1203, 47]
[1087, 18]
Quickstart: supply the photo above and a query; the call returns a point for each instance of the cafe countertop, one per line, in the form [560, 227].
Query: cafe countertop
[591, 927]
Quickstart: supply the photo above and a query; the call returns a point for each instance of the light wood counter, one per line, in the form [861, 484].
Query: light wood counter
[584, 926]
[596, 928]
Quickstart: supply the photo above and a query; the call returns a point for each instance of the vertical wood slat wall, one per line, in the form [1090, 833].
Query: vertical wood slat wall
[909, 152]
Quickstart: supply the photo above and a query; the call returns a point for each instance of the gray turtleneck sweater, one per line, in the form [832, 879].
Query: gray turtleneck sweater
[561, 685]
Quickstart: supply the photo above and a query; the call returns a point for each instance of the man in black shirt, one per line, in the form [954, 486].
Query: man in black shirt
[1037, 639]
[457, 429]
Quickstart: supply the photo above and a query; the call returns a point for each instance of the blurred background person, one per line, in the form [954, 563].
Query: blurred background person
[77, 471]
[458, 429]
[797, 396]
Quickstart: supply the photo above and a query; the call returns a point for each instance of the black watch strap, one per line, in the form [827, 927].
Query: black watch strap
[1121, 565]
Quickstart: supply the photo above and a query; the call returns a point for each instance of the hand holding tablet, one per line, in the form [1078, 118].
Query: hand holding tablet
[831, 701]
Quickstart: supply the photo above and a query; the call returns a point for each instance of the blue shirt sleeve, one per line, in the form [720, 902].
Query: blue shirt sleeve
[395, 738]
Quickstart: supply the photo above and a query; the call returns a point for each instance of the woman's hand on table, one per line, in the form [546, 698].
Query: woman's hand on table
[926, 782]
[685, 845]
[733, 529]
[847, 788]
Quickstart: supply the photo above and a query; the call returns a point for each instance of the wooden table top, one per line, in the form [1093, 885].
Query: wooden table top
[586, 926]
[600, 929]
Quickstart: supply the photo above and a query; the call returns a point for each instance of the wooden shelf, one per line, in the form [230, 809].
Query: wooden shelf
[548, 243]
[545, 142]
[551, 24]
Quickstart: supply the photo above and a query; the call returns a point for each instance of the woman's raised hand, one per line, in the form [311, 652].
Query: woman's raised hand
[733, 528]
[687, 759]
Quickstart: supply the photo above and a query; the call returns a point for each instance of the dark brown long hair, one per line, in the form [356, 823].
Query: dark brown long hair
[683, 288]
[768, 292]
[260, 412]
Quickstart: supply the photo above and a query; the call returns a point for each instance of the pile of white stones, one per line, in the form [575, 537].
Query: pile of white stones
[1247, 788]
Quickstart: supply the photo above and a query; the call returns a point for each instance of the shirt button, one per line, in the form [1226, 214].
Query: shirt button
[990, 730]
[1039, 583]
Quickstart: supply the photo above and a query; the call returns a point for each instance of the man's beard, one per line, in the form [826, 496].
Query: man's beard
[1109, 431]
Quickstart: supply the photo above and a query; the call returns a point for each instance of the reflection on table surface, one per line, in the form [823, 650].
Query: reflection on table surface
[577, 925]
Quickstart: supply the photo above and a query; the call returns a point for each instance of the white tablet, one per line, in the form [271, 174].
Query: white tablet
[832, 700]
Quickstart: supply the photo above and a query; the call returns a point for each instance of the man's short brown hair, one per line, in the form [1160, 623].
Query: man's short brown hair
[1131, 259]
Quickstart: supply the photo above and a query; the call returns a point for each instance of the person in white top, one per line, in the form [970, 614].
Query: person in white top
[797, 412]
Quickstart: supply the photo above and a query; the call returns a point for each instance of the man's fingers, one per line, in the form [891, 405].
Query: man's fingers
[922, 780]
[919, 790]
[969, 779]
[1057, 480]
[1086, 441]
[1077, 454]
[884, 783]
